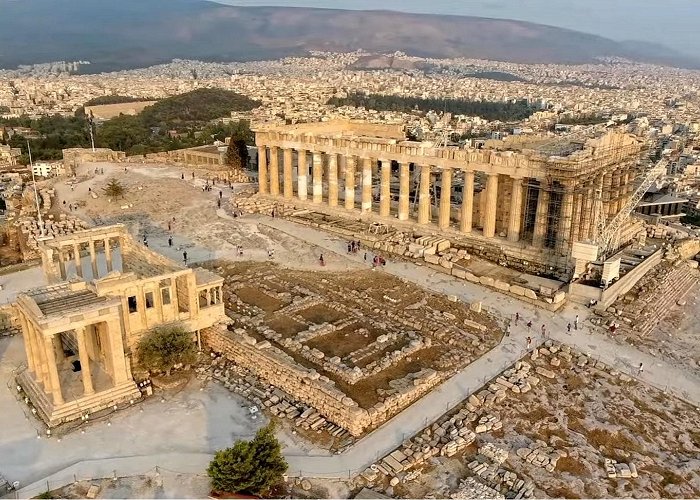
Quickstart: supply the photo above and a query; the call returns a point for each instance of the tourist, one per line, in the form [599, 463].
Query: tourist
[218, 202]
[544, 331]
[576, 323]
[529, 325]
[640, 369]
[184, 254]
[365, 256]
[517, 318]
[182, 176]
[568, 328]
[169, 226]
[349, 247]
[221, 194]
[508, 331]
[529, 343]
[170, 241]
[321, 261]
[193, 175]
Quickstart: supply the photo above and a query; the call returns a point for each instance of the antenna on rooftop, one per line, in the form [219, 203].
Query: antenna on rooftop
[36, 194]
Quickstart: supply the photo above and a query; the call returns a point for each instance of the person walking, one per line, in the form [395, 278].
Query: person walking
[321, 261]
[576, 323]
[640, 369]
[221, 194]
[568, 328]
[517, 318]
[182, 176]
[170, 241]
[184, 256]
[529, 325]
[544, 331]
[529, 343]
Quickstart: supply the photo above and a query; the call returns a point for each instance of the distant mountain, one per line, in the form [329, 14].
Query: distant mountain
[126, 34]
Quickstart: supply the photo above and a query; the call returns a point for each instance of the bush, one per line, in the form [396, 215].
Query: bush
[253, 467]
[165, 347]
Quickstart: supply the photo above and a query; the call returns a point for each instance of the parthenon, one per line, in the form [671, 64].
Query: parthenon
[81, 331]
[531, 197]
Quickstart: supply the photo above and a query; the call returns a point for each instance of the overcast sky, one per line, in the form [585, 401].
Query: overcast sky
[674, 23]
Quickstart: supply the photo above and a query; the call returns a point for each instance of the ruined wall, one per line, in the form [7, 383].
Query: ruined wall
[625, 284]
[275, 367]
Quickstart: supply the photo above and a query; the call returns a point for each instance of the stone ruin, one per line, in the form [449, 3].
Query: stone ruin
[30, 232]
[282, 331]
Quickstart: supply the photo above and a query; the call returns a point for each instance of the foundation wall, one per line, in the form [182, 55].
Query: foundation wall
[622, 286]
[275, 367]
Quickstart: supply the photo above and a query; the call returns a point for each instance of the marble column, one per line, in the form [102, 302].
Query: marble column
[385, 189]
[467, 213]
[404, 188]
[445, 195]
[585, 232]
[607, 194]
[366, 185]
[333, 180]
[540, 231]
[119, 367]
[302, 173]
[576, 222]
[288, 187]
[32, 362]
[53, 371]
[350, 182]
[515, 215]
[62, 263]
[76, 259]
[424, 207]
[317, 177]
[615, 194]
[567, 211]
[108, 255]
[93, 260]
[274, 171]
[85, 371]
[262, 170]
[491, 207]
[39, 349]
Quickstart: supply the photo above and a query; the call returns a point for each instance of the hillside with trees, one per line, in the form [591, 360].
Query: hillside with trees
[503, 111]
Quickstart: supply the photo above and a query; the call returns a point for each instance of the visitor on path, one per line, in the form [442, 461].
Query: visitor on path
[544, 331]
[182, 176]
[184, 256]
[218, 202]
[365, 256]
[221, 194]
[576, 323]
[640, 369]
[321, 261]
[529, 325]
[517, 318]
[169, 226]
[170, 241]
[508, 331]
[529, 343]
[568, 328]
[193, 175]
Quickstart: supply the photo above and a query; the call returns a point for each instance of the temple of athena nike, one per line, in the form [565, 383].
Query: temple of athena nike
[523, 201]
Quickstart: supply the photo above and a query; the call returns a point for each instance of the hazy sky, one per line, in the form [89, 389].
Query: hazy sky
[674, 23]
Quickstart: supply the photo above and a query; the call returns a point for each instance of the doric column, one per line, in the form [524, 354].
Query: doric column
[333, 180]
[404, 188]
[84, 362]
[318, 176]
[262, 170]
[53, 371]
[62, 263]
[39, 349]
[587, 214]
[567, 211]
[302, 172]
[467, 213]
[515, 215]
[288, 187]
[366, 185]
[445, 195]
[108, 255]
[491, 201]
[576, 222]
[93, 260]
[607, 191]
[28, 344]
[114, 334]
[540, 230]
[424, 195]
[350, 182]
[615, 193]
[274, 171]
[385, 189]
[76, 259]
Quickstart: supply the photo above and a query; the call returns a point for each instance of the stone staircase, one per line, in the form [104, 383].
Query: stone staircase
[72, 410]
[674, 287]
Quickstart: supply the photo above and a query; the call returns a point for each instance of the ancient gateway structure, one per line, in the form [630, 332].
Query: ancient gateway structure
[105, 292]
[529, 198]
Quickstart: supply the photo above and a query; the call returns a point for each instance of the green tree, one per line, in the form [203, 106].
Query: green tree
[164, 347]
[114, 189]
[253, 467]
[237, 154]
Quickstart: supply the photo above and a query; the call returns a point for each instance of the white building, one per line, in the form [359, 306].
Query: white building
[48, 169]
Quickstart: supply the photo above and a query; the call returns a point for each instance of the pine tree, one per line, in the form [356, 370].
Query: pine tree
[114, 189]
[253, 467]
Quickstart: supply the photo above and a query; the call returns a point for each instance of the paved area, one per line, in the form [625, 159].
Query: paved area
[21, 281]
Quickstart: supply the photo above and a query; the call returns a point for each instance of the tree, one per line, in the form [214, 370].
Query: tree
[237, 154]
[164, 347]
[114, 189]
[253, 467]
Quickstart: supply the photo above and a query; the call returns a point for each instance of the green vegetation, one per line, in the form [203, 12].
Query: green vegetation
[504, 111]
[114, 189]
[254, 467]
[164, 347]
[237, 156]
[4, 109]
[693, 220]
[177, 122]
[585, 119]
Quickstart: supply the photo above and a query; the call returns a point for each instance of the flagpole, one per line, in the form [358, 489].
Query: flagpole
[36, 194]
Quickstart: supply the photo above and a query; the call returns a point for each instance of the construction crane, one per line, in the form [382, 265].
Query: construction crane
[608, 234]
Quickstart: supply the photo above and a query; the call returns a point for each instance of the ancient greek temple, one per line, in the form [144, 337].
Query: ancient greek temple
[529, 195]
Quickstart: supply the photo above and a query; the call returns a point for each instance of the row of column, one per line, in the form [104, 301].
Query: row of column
[268, 178]
[41, 359]
[66, 254]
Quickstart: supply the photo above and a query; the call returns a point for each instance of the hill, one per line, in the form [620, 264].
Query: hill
[137, 33]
